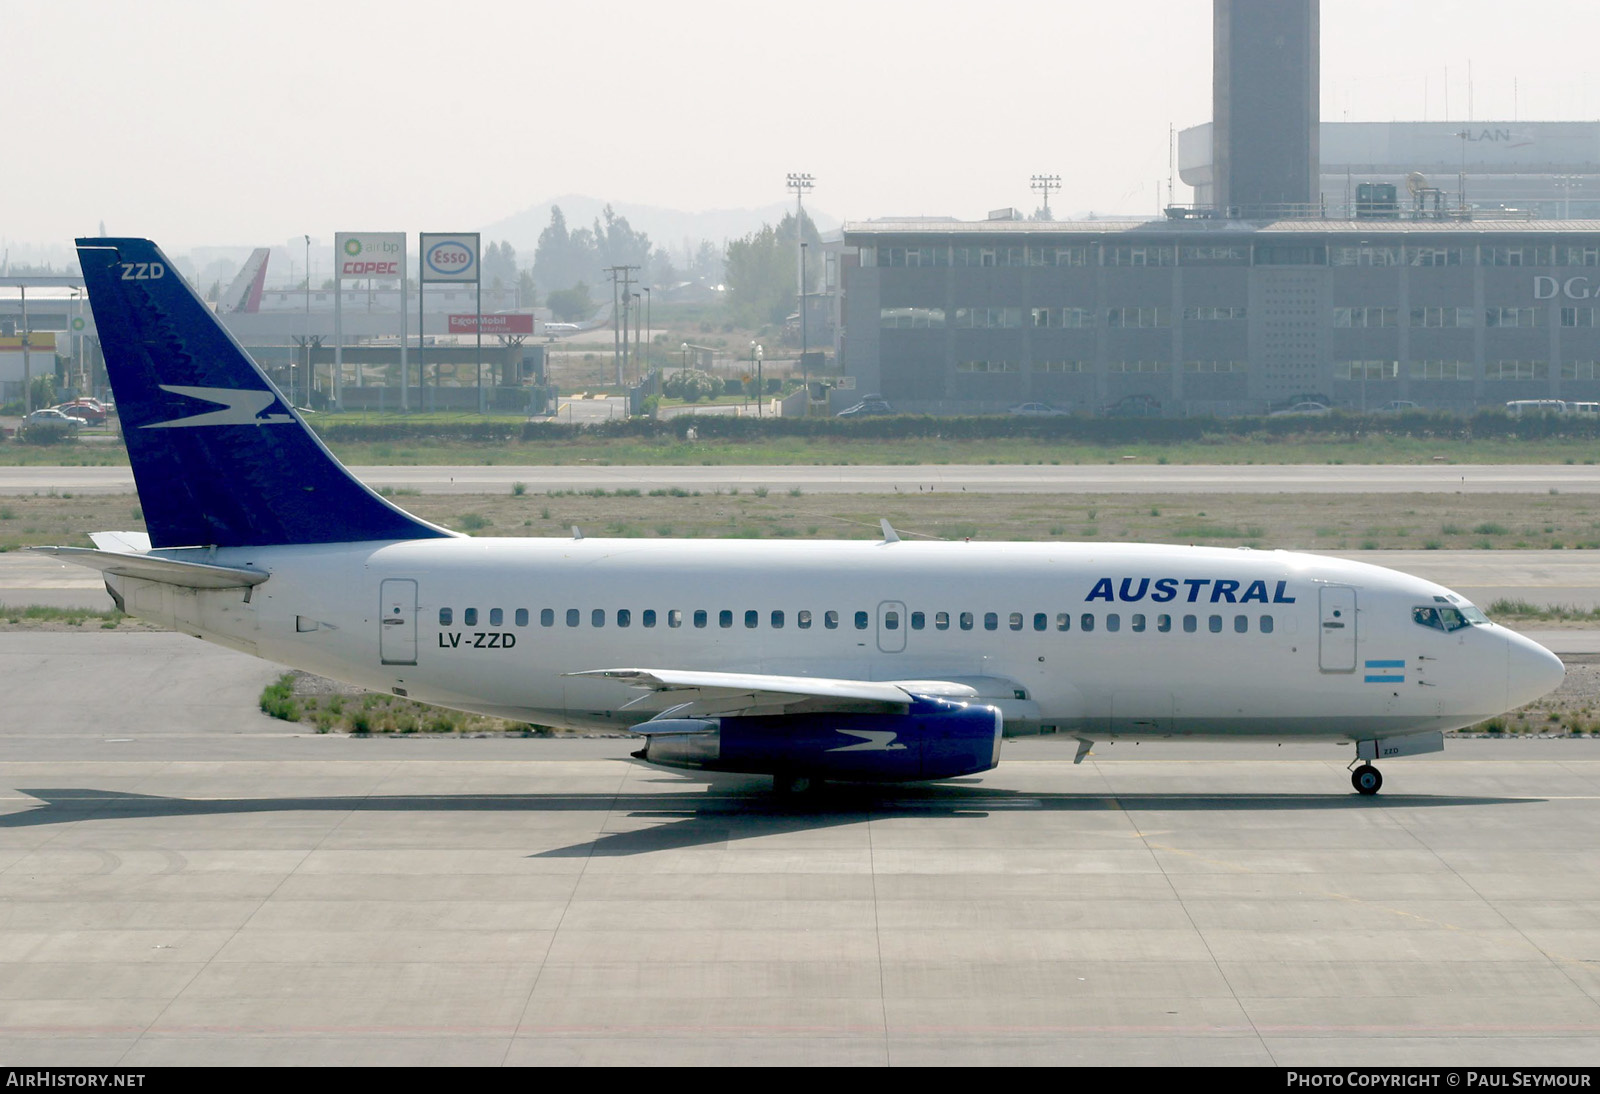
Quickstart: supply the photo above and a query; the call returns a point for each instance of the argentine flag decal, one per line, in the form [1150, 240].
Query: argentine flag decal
[1384, 673]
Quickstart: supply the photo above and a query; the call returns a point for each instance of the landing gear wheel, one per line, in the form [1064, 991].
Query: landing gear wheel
[790, 786]
[1366, 779]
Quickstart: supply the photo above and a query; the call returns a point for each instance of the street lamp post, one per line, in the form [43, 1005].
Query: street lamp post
[760, 387]
[645, 367]
[686, 356]
[805, 358]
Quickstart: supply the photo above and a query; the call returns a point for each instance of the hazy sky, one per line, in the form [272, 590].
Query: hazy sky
[250, 123]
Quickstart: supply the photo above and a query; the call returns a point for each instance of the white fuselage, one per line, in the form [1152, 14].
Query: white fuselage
[1091, 640]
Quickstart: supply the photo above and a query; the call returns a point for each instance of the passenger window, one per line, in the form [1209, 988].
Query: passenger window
[674, 617]
[647, 618]
[496, 617]
[830, 620]
[1163, 623]
[573, 617]
[700, 617]
[1086, 622]
[725, 618]
[966, 621]
[624, 617]
[547, 617]
[891, 621]
[1063, 621]
[777, 620]
[861, 621]
[1113, 622]
[941, 621]
[445, 615]
[1137, 623]
[1016, 621]
[469, 618]
[1241, 624]
[802, 620]
[597, 617]
[918, 621]
[991, 621]
[752, 619]
[1215, 623]
[1041, 622]
[1190, 624]
[1266, 624]
[522, 617]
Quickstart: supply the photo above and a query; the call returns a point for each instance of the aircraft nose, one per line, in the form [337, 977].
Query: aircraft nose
[1531, 670]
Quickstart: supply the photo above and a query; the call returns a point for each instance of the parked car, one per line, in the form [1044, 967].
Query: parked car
[1302, 410]
[1037, 410]
[1133, 406]
[52, 419]
[89, 410]
[865, 409]
[1398, 406]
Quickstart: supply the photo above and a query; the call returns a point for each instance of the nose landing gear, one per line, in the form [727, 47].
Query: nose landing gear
[1366, 779]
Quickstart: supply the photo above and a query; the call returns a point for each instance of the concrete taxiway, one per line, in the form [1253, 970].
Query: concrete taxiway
[184, 881]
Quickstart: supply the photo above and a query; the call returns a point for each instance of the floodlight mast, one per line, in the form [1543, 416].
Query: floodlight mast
[1044, 184]
[800, 183]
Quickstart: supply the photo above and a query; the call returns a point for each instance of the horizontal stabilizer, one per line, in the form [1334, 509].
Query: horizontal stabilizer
[168, 571]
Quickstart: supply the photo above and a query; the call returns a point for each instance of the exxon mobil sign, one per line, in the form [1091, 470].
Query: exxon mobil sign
[450, 256]
[370, 254]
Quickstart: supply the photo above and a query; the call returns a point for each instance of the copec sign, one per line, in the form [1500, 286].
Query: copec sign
[370, 254]
[450, 257]
[1579, 287]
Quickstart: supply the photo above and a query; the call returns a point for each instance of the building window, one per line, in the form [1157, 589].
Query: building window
[1209, 313]
[1577, 256]
[1441, 317]
[1362, 256]
[1579, 317]
[1366, 317]
[1213, 255]
[911, 318]
[1213, 366]
[1438, 256]
[1138, 366]
[1137, 317]
[1515, 370]
[1366, 370]
[1440, 370]
[1513, 317]
[1148, 255]
[989, 318]
[1579, 370]
[1059, 366]
[987, 366]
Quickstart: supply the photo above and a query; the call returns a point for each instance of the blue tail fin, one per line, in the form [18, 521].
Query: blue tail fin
[219, 456]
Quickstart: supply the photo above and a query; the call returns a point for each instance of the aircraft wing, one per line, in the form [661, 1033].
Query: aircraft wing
[729, 694]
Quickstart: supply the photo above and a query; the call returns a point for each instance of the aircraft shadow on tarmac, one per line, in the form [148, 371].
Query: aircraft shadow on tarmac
[723, 812]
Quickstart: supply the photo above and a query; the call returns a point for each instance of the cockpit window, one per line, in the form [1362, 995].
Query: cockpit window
[1443, 618]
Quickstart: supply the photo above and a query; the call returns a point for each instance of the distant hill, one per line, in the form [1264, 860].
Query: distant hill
[667, 228]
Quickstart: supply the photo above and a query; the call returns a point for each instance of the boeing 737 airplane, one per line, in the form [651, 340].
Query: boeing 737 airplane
[879, 661]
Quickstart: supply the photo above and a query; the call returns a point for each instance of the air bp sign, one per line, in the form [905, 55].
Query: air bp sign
[450, 256]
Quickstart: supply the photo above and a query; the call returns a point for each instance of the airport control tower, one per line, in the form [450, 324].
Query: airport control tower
[1265, 107]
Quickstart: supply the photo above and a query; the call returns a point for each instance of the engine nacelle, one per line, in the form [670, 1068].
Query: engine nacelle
[935, 739]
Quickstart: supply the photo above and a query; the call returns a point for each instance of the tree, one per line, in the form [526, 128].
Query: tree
[760, 271]
[500, 265]
[571, 305]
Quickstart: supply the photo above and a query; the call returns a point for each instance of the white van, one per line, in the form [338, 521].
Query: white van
[1584, 410]
[1517, 408]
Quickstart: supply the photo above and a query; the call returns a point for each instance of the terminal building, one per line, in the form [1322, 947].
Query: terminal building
[1453, 265]
[1220, 317]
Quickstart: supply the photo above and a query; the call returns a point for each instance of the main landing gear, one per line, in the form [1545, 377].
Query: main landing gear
[1366, 779]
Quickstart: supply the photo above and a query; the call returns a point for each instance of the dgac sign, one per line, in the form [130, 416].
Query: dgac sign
[491, 324]
[1546, 287]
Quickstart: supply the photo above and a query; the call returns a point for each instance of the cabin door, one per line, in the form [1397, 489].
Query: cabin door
[1337, 644]
[397, 625]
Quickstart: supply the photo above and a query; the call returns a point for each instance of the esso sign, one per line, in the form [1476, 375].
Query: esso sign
[449, 259]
